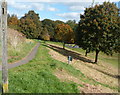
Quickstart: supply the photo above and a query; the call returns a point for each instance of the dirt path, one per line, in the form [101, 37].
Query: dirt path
[25, 60]
[102, 73]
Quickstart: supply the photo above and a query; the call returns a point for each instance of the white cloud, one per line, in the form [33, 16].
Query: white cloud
[77, 8]
[25, 6]
[64, 20]
[62, 1]
[20, 6]
[38, 6]
[52, 9]
[72, 15]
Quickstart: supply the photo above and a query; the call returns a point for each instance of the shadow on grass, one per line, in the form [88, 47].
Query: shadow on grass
[69, 53]
[111, 75]
[78, 57]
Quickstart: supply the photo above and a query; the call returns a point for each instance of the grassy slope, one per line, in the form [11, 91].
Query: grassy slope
[18, 45]
[102, 57]
[17, 55]
[37, 76]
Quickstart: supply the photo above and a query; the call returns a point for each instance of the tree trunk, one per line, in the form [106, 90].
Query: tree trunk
[86, 53]
[63, 45]
[96, 56]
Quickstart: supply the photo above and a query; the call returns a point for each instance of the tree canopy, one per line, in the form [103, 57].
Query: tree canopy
[98, 29]
[30, 25]
[13, 21]
[72, 24]
[64, 33]
[50, 26]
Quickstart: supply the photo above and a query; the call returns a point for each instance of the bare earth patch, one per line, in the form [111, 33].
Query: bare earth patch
[87, 88]
[102, 73]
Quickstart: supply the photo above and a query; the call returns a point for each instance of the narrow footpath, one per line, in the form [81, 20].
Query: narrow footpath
[25, 60]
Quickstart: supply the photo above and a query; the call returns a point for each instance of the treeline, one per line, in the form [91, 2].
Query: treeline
[98, 29]
[33, 28]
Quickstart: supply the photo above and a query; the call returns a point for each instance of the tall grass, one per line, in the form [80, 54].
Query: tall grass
[18, 45]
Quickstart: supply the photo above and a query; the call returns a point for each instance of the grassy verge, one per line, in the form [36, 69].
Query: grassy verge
[37, 76]
[102, 57]
[15, 55]
[20, 52]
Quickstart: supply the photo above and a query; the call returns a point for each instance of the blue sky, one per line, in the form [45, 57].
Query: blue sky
[52, 9]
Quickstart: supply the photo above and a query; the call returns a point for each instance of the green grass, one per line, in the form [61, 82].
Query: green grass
[37, 76]
[15, 55]
[102, 57]
[18, 55]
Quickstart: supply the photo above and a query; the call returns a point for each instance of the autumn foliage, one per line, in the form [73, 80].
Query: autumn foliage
[64, 33]
[13, 21]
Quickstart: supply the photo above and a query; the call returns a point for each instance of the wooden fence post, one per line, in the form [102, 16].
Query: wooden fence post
[0, 36]
[4, 46]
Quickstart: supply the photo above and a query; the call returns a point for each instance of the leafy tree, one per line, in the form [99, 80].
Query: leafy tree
[64, 33]
[28, 28]
[30, 25]
[59, 22]
[13, 21]
[72, 24]
[44, 34]
[117, 44]
[98, 29]
[50, 26]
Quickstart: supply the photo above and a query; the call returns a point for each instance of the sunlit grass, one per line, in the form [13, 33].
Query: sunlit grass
[38, 76]
[20, 52]
[102, 57]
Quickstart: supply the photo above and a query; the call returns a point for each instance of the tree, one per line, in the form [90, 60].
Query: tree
[13, 21]
[59, 22]
[64, 33]
[50, 26]
[72, 24]
[30, 25]
[28, 28]
[98, 29]
[44, 34]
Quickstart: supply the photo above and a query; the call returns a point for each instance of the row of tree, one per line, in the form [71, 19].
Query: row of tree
[32, 27]
[98, 29]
